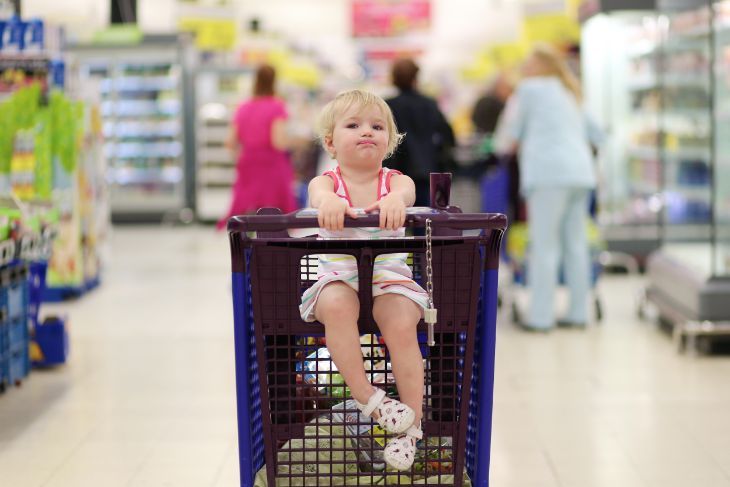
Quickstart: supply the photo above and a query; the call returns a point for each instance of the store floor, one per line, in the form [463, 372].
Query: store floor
[148, 399]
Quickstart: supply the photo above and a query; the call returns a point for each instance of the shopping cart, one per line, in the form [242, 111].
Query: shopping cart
[294, 415]
[495, 187]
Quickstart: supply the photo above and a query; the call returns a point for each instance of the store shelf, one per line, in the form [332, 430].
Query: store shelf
[214, 154]
[645, 84]
[140, 108]
[644, 188]
[169, 128]
[208, 133]
[143, 112]
[685, 80]
[213, 203]
[690, 193]
[701, 114]
[135, 176]
[139, 84]
[151, 149]
[644, 152]
[686, 153]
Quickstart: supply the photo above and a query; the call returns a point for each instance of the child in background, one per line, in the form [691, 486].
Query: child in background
[357, 129]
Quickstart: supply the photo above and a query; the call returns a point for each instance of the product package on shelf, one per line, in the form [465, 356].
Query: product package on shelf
[37, 145]
[81, 198]
[50, 153]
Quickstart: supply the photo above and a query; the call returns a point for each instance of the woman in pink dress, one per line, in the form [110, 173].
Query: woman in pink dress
[264, 174]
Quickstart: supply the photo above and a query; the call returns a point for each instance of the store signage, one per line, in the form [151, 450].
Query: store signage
[556, 28]
[211, 34]
[390, 18]
[119, 34]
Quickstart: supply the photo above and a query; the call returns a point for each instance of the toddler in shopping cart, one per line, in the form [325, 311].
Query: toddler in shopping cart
[357, 129]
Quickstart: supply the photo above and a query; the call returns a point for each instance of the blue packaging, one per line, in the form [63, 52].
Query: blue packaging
[14, 36]
[57, 76]
[3, 25]
[34, 36]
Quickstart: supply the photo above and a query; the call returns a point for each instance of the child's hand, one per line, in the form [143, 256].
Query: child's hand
[331, 212]
[392, 211]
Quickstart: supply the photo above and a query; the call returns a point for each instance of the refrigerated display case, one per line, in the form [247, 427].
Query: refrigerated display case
[619, 55]
[689, 277]
[143, 89]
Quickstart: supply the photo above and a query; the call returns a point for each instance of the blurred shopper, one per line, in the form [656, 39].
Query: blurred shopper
[428, 140]
[554, 137]
[490, 116]
[264, 174]
[488, 107]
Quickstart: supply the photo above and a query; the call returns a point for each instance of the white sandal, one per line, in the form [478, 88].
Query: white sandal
[400, 452]
[395, 417]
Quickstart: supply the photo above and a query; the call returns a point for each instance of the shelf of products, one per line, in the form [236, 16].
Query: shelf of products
[688, 276]
[622, 90]
[721, 170]
[218, 92]
[686, 119]
[142, 108]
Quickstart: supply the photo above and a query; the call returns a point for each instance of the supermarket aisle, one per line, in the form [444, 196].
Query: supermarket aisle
[148, 397]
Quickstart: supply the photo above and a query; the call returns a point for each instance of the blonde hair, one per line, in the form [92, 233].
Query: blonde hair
[361, 99]
[554, 64]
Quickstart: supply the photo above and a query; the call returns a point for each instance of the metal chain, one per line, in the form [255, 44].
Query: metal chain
[429, 258]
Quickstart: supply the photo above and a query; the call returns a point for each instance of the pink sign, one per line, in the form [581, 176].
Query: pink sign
[388, 18]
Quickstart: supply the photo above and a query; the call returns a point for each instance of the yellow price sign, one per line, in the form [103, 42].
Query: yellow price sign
[211, 34]
[552, 28]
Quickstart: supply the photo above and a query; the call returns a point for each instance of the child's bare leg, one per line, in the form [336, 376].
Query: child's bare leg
[397, 317]
[338, 308]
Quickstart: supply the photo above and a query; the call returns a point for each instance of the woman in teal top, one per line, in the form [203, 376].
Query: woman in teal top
[554, 138]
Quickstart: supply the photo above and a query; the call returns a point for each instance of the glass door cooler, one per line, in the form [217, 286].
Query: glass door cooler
[143, 107]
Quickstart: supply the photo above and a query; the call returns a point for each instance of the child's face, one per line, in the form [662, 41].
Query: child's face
[360, 136]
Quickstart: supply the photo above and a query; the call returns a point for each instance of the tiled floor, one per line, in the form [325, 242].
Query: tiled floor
[147, 398]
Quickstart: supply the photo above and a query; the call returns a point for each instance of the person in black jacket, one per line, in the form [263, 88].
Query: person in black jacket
[428, 140]
[489, 107]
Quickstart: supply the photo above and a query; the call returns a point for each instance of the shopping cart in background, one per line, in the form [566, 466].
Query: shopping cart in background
[496, 186]
[296, 425]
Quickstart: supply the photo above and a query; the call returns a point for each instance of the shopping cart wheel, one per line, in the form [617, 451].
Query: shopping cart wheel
[599, 309]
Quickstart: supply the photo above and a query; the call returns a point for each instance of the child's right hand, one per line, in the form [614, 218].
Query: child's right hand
[332, 211]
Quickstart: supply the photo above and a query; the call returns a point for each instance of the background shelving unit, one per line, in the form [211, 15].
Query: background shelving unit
[218, 91]
[688, 278]
[621, 80]
[144, 102]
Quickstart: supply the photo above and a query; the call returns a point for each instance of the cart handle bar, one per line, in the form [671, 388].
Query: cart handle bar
[415, 217]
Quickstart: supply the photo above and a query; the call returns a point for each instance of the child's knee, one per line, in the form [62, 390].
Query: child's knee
[337, 302]
[396, 311]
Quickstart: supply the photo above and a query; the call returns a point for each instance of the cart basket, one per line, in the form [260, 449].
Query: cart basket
[295, 415]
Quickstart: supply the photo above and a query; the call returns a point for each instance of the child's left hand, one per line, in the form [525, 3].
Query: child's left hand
[392, 211]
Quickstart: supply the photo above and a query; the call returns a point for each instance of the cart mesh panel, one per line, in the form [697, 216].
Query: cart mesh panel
[313, 432]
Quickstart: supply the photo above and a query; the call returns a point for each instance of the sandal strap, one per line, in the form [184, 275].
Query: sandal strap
[373, 402]
[415, 432]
